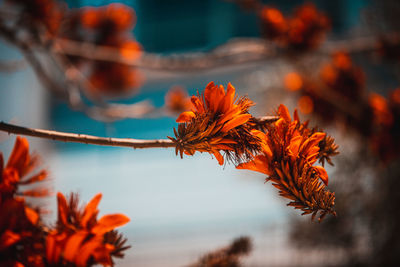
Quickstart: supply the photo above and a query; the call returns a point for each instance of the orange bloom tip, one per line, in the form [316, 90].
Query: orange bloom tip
[8, 238]
[284, 113]
[237, 121]
[32, 215]
[219, 157]
[323, 175]
[91, 209]
[185, 116]
[259, 164]
[109, 222]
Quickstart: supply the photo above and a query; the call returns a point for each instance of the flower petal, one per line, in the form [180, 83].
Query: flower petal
[19, 157]
[259, 164]
[185, 116]
[323, 175]
[62, 208]
[8, 238]
[239, 120]
[32, 215]
[90, 210]
[109, 222]
[73, 244]
[219, 157]
[284, 113]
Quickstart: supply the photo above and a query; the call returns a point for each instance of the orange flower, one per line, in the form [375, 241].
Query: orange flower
[177, 99]
[115, 79]
[273, 22]
[114, 16]
[20, 233]
[304, 31]
[380, 109]
[217, 122]
[289, 151]
[19, 166]
[80, 237]
[342, 77]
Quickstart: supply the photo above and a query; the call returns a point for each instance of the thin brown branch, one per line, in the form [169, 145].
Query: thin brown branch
[85, 139]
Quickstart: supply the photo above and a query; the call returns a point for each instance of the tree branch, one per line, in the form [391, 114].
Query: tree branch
[85, 139]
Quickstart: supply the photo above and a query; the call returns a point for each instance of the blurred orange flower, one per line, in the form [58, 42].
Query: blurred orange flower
[304, 31]
[19, 224]
[16, 172]
[79, 237]
[177, 99]
[116, 17]
[274, 24]
[342, 77]
[293, 81]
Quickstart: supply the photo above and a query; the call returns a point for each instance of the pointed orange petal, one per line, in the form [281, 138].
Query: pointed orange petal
[207, 92]
[19, 157]
[73, 244]
[102, 254]
[264, 145]
[235, 111]
[42, 175]
[284, 113]
[87, 250]
[294, 147]
[218, 95]
[239, 120]
[90, 210]
[62, 208]
[259, 164]
[185, 117]
[197, 104]
[32, 215]
[323, 175]
[109, 222]
[219, 157]
[8, 238]
[50, 247]
[296, 116]
[227, 102]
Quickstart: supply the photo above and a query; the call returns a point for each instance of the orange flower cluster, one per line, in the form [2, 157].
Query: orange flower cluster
[385, 131]
[20, 222]
[217, 123]
[79, 239]
[342, 97]
[285, 150]
[343, 77]
[108, 26]
[46, 14]
[289, 151]
[302, 32]
[177, 100]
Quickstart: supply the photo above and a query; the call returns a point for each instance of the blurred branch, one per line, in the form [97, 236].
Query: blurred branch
[69, 88]
[234, 52]
[85, 139]
[12, 65]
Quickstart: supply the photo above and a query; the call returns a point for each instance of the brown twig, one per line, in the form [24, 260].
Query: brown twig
[85, 139]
